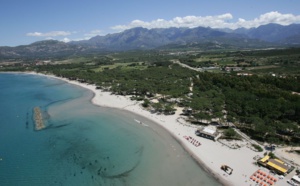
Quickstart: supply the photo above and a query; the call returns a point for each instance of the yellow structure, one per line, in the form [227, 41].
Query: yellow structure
[274, 164]
[278, 166]
[264, 159]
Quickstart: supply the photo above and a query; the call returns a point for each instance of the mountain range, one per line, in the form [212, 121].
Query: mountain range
[270, 35]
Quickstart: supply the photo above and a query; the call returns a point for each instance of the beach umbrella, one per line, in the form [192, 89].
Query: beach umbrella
[261, 177]
[257, 180]
[275, 179]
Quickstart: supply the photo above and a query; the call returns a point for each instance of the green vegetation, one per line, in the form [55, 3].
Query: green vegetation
[231, 134]
[258, 148]
[255, 61]
[255, 91]
[272, 155]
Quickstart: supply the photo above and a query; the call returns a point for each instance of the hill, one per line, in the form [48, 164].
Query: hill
[271, 32]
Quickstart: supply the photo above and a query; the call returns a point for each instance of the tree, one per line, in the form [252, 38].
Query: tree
[146, 103]
[230, 133]
[169, 109]
[158, 107]
[202, 116]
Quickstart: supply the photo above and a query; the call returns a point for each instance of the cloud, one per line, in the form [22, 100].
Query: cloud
[270, 17]
[66, 40]
[218, 21]
[49, 38]
[93, 33]
[188, 21]
[49, 34]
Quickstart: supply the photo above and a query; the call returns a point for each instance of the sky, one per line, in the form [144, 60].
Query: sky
[23, 22]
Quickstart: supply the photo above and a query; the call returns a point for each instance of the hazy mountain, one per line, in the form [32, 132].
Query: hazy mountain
[291, 40]
[271, 32]
[136, 38]
[41, 49]
[142, 38]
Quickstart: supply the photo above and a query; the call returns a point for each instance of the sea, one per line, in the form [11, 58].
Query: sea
[83, 144]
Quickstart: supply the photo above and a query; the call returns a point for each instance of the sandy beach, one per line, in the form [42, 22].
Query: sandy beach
[209, 154]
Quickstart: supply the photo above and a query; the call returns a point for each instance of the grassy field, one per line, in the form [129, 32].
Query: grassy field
[73, 60]
[124, 66]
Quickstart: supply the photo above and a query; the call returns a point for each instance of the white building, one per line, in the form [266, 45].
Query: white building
[209, 132]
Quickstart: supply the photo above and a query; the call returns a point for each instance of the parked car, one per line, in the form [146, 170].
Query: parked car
[292, 183]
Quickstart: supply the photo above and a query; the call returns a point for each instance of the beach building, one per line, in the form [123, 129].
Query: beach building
[209, 132]
[276, 165]
[264, 159]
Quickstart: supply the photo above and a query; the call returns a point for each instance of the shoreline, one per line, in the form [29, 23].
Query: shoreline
[210, 155]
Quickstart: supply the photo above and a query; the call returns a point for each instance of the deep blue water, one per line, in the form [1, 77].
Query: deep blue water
[83, 144]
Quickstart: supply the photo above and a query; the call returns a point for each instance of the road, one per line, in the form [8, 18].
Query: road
[186, 66]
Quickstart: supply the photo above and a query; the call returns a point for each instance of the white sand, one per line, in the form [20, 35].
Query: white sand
[211, 155]
[285, 154]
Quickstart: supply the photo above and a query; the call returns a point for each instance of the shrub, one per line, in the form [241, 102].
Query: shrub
[146, 103]
[257, 147]
[230, 133]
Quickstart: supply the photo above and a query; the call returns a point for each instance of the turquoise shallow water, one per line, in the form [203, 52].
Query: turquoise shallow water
[83, 144]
